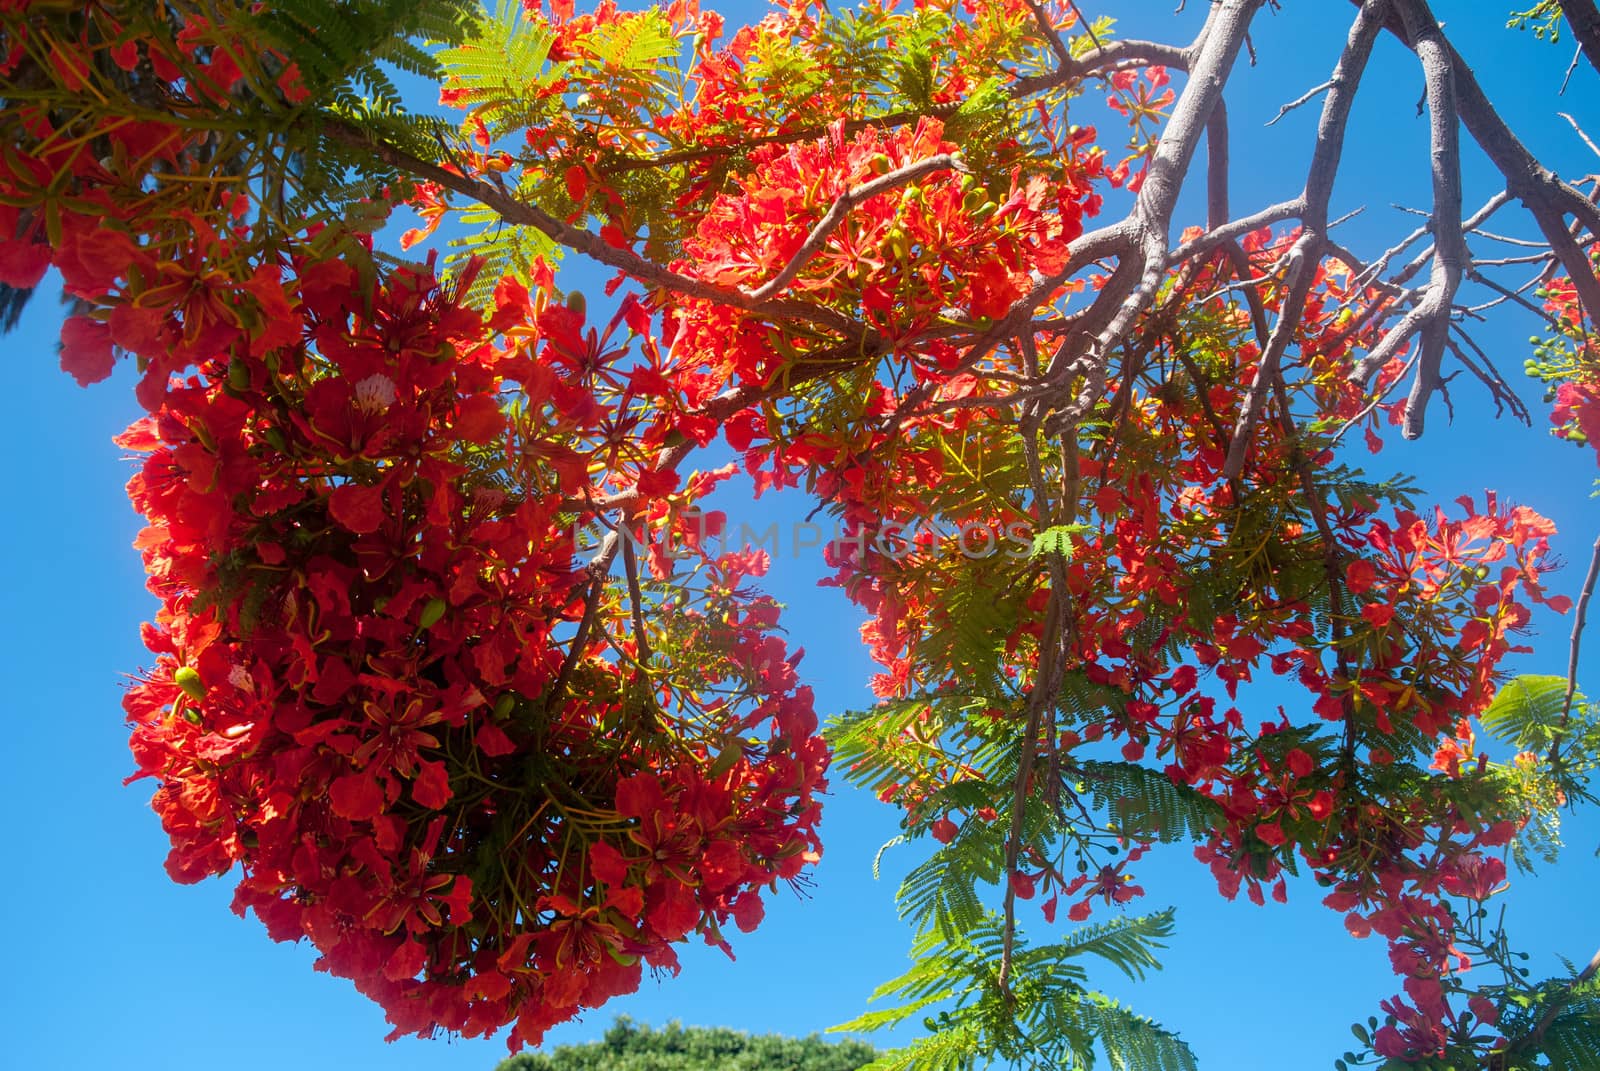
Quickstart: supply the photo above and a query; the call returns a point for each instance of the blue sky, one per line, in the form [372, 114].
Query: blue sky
[110, 961]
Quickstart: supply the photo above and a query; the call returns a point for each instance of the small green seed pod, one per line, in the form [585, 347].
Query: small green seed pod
[187, 678]
[431, 613]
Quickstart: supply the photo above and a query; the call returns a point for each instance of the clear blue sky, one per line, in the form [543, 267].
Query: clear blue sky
[109, 962]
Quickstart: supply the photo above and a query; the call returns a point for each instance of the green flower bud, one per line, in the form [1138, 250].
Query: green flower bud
[188, 679]
[431, 613]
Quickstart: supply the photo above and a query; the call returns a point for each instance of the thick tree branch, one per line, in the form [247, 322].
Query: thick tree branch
[1450, 247]
[1541, 190]
[1128, 295]
[1111, 54]
[1217, 211]
[1309, 247]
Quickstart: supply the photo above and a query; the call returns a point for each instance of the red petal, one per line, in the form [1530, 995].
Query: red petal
[607, 864]
[357, 797]
[86, 350]
[22, 264]
[748, 911]
[432, 785]
[640, 795]
[478, 419]
[492, 741]
[359, 509]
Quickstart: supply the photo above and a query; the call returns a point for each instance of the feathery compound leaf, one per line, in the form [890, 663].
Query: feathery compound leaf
[942, 893]
[956, 1049]
[1133, 1042]
[1572, 1041]
[1057, 539]
[1146, 804]
[634, 44]
[1126, 943]
[1527, 710]
[497, 69]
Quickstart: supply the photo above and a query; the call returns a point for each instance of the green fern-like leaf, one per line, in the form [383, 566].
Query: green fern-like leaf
[498, 69]
[1146, 804]
[1133, 1042]
[956, 1049]
[634, 44]
[1127, 943]
[1527, 710]
[1057, 539]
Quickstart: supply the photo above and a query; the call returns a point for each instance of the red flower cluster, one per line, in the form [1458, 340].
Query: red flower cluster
[360, 694]
[386, 692]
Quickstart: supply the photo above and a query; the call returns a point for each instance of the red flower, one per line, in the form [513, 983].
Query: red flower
[86, 350]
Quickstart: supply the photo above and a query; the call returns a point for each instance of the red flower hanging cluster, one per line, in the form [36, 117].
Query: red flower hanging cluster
[388, 691]
[363, 696]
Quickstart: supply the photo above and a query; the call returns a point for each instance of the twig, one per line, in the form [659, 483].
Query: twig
[630, 568]
[1574, 123]
[1531, 1040]
[1300, 100]
[1580, 616]
[842, 206]
[1512, 295]
[1504, 397]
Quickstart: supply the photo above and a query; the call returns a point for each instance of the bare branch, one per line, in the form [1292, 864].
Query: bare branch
[1217, 213]
[1580, 616]
[1308, 249]
[1429, 319]
[1129, 292]
[1233, 231]
[1299, 101]
[1499, 390]
[1579, 130]
[1047, 28]
[630, 568]
[1111, 54]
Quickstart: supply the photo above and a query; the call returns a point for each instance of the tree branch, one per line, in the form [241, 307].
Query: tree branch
[1309, 247]
[1580, 616]
[519, 212]
[842, 206]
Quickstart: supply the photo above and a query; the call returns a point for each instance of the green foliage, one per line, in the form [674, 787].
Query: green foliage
[497, 70]
[1556, 743]
[1040, 1016]
[1057, 539]
[341, 44]
[1527, 711]
[1147, 804]
[636, 1047]
[1555, 1023]
[347, 52]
